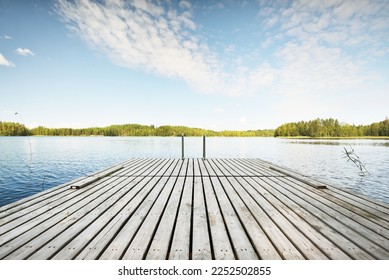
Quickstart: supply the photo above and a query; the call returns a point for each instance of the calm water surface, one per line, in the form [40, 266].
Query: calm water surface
[32, 164]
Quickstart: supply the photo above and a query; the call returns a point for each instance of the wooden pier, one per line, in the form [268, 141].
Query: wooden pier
[195, 209]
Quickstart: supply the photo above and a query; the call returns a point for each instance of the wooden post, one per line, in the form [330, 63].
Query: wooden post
[182, 146]
[203, 146]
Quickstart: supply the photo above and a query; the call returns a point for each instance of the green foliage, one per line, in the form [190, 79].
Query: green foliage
[112, 130]
[13, 129]
[314, 128]
[331, 128]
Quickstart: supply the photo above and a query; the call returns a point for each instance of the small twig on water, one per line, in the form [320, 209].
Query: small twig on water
[354, 158]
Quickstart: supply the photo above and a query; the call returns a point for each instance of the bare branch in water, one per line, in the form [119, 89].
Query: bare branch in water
[354, 158]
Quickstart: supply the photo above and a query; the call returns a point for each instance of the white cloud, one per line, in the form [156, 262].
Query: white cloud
[364, 20]
[160, 39]
[317, 68]
[6, 37]
[145, 35]
[5, 62]
[24, 52]
[307, 40]
[323, 48]
[185, 4]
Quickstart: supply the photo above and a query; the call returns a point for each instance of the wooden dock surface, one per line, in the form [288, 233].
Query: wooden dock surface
[195, 209]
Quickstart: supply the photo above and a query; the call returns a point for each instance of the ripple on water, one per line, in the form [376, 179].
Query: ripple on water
[56, 160]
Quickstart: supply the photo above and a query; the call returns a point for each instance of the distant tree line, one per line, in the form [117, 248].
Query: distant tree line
[17, 129]
[331, 128]
[314, 128]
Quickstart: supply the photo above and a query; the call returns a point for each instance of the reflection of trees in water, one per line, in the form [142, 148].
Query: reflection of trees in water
[370, 142]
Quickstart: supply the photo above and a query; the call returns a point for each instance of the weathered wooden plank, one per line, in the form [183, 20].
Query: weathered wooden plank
[237, 166]
[240, 242]
[221, 244]
[232, 168]
[169, 169]
[260, 234]
[159, 247]
[19, 211]
[255, 167]
[12, 229]
[225, 170]
[249, 211]
[106, 222]
[196, 168]
[30, 238]
[190, 170]
[208, 168]
[298, 177]
[47, 197]
[202, 167]
[28, 204]
[133, 168]
[153, 165]
[122, 240]
[140, 243]
[362, 202]
[112, 222]
[324, 222]
[125, 164]
[218, 171]
[201, 246]
[184, 168]
[180, 247]
[279, 221]
[274, 202]
[84, 182]
[359, 212]
[157, 165]
[177, 168]
[352, 220]
[250, 168]
[162, 168]
[353, 196]
[36, 201]
[78, 222]
[281, 195]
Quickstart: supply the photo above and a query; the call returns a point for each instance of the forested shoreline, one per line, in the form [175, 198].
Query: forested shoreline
[17, 129]
[331, 128]
[315, 129]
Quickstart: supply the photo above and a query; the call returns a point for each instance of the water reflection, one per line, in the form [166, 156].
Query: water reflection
[377, 142]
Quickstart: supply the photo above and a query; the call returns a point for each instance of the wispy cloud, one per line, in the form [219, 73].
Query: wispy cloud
[337, 22]
[323, 48]
[185, 4]
[6, 37]
[313, 47]
[24, 52]
[5, 62]
[144, 35]
[156, 38]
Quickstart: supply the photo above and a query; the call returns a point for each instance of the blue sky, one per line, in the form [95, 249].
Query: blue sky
[210, 64]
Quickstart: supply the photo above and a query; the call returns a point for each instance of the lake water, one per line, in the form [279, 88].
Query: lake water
[32, 164]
